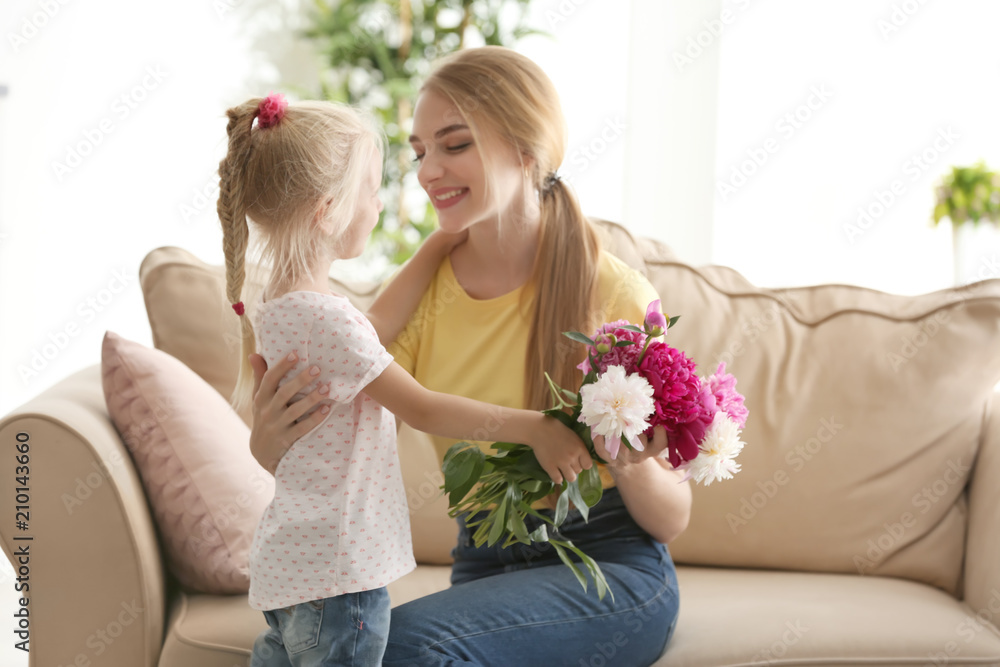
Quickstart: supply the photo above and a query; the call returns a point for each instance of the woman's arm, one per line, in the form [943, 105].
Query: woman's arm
[558, 449]
[394, 306]
[650, 487]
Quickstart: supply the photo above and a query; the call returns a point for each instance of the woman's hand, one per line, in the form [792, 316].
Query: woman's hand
[627, 456]
[653, 491]
[276, 423]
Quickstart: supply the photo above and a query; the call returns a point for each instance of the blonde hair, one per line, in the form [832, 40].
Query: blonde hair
[504, 94]
[281, 177]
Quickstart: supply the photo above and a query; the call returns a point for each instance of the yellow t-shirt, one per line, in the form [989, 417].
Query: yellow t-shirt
[476, 348]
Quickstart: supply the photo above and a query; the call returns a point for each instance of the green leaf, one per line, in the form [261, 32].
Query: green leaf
[573, 491]
[496, 530]
[594, 569]
[540, 534]
[673, 321]
[462, 469]
[625, 343]
[562, 509]
[578, 337]
[591, 488]
[631, 327]
[570, 564]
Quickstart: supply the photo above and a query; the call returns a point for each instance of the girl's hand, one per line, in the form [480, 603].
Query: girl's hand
[445, 242]
[276, 423]
[562, 454]
[629, 457]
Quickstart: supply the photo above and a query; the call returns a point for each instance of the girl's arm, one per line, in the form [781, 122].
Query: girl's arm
[394, 306]
[558, 449]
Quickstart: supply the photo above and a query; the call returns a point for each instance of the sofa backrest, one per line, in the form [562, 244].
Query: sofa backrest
[866, 413]
[865, 410]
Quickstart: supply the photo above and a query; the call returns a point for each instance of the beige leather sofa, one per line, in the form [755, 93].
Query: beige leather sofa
[864, 528]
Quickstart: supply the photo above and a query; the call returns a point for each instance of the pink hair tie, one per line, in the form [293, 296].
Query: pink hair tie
[270, 110]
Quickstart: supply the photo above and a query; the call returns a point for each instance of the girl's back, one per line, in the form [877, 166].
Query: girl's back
[339, 521]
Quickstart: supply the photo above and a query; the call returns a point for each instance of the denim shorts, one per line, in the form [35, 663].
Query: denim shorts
[349, 629]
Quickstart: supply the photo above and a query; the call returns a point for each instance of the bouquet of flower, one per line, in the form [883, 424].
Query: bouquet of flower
[632, 383]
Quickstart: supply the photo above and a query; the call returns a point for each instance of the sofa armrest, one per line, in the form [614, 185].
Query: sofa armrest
[982, 549]
[95, 581]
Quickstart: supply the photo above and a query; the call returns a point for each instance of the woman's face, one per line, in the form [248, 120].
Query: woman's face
[451, 167]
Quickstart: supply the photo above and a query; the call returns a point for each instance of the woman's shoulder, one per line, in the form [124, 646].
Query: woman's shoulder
[623, 292]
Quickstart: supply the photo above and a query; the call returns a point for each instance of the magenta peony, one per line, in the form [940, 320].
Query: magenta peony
[684, 405]
[625, 356]
[723, 387]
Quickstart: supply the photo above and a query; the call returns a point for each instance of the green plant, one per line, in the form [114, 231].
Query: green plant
[968, 194]
[376, 54]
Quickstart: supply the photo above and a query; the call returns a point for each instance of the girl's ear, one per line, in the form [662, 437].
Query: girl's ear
[320, 218]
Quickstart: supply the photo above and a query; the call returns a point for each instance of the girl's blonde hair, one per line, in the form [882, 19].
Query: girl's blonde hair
[505, 95]
[281, 177]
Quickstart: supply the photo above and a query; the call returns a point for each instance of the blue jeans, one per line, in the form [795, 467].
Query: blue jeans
[348, 629]
[521, 606]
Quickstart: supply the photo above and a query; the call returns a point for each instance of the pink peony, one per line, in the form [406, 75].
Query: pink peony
[723, 387]
[684, 405]
[625, 356]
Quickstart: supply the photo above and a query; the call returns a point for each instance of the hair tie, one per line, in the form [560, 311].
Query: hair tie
[270, 110]
[550, 181]
[238, 307]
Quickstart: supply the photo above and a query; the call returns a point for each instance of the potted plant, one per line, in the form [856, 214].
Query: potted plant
[967, 194]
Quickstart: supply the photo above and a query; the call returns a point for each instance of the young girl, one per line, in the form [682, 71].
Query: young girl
[337, 531]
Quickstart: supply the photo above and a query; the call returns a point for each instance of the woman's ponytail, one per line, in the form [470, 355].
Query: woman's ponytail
[566, 276]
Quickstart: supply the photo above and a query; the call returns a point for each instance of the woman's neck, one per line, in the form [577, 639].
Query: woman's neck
[497, 259]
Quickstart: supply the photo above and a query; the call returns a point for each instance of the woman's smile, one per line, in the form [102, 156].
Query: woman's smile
[447, 197]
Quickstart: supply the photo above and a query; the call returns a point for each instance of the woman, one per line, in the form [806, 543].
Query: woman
[488, 134]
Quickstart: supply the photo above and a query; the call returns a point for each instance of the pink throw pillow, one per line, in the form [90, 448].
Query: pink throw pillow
[191, 450]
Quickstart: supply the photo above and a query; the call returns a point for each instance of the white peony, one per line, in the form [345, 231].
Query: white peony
[720, 446]
[615, 405]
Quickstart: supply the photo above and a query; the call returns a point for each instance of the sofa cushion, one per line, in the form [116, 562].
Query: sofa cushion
[214, 631]
[866, 411]
[191, 450]
[753, 617]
